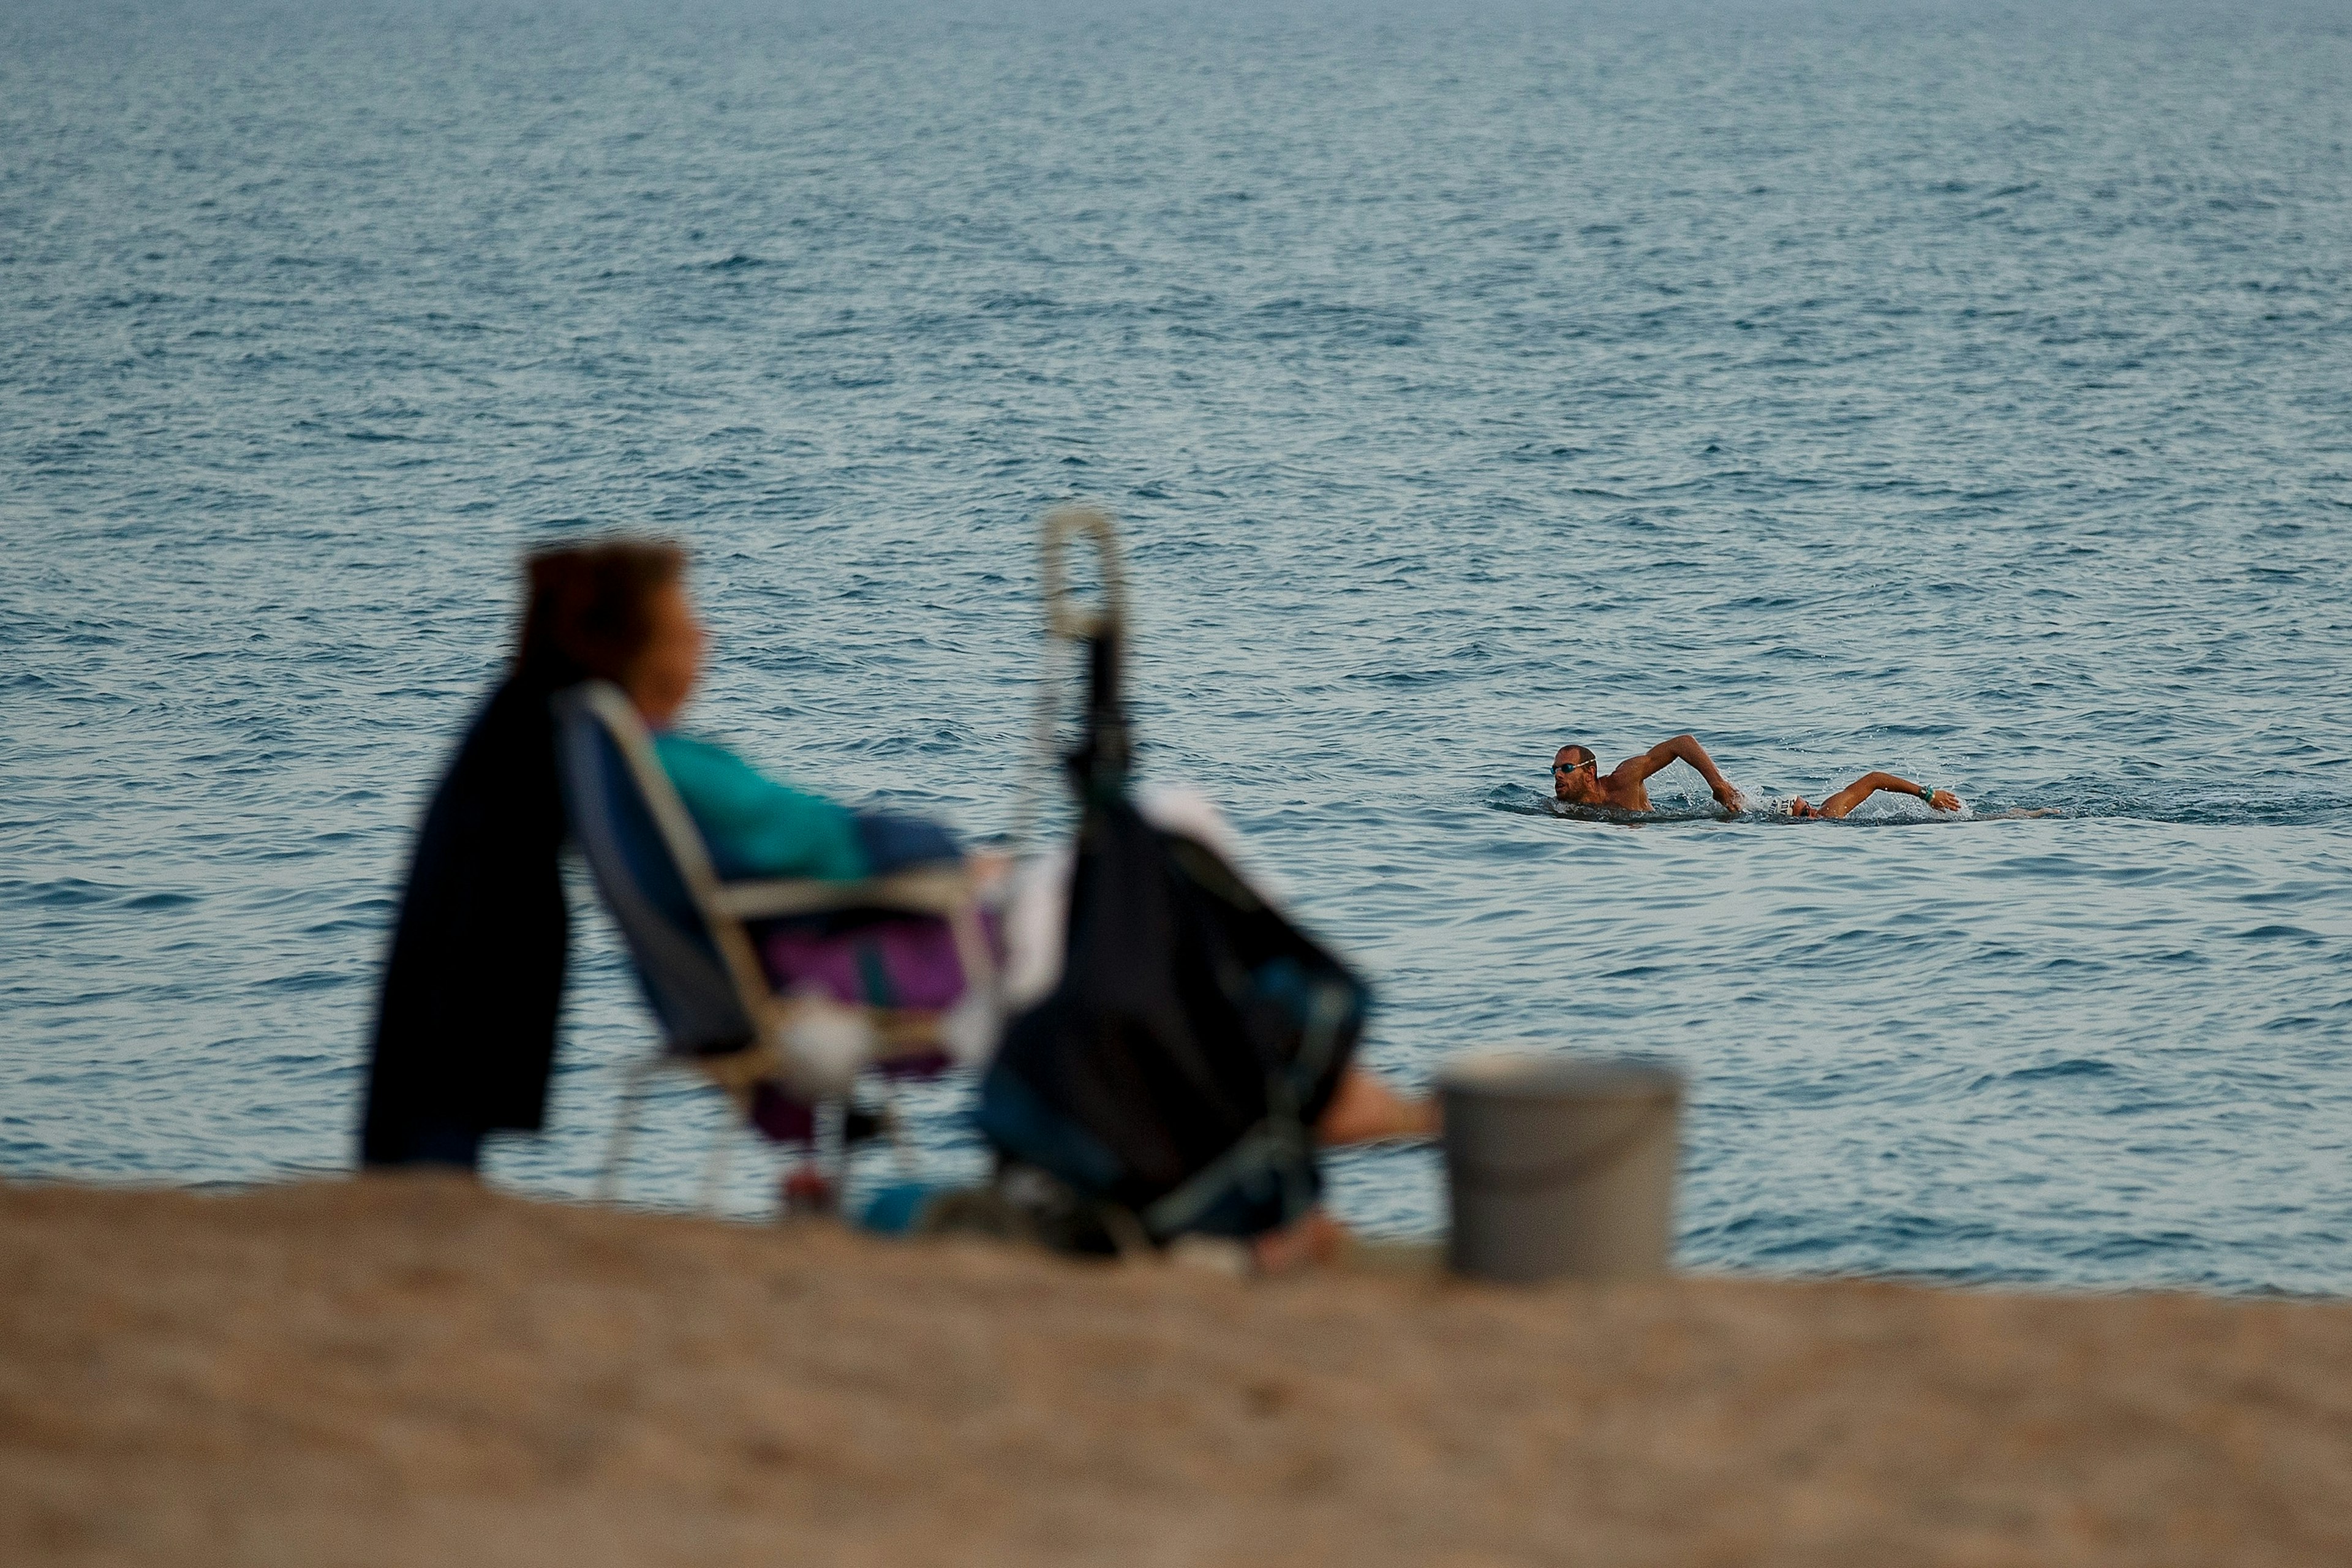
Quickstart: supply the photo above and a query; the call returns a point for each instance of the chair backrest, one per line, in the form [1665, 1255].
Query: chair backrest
[696, 964]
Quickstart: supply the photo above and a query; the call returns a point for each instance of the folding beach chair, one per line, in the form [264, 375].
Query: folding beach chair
[694, 956]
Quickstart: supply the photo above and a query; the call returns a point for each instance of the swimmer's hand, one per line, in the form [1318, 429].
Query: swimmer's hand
[1732, 801]
[1944, 800]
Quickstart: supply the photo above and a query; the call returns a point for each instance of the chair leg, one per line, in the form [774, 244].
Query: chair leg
[608, 1182]
[832, 1132]
[893, 1119]
[714, 1166]
[810, 1188]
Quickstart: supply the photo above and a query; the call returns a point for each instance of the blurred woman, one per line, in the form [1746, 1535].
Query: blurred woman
[465, 1032]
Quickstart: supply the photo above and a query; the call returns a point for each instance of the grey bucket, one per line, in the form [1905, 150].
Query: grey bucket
[1560, 1167]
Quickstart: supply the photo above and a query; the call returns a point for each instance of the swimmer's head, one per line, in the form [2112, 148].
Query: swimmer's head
[1799, 806]
[1575, 772]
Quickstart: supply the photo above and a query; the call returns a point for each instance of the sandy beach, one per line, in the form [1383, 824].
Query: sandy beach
[415, 1371]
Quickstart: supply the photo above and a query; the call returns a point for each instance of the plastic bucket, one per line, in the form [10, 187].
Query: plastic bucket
[1560, 1167]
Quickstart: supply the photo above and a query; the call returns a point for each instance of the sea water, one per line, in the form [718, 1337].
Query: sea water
[1963, 389]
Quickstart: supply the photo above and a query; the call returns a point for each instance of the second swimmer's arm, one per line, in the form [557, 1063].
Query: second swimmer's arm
[1868, 784]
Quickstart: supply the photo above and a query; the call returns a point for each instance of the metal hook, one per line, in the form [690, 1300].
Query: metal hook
[1063, 618]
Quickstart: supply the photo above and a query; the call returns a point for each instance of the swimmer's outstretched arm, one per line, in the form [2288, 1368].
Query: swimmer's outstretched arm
[1869, 784]
[1681, 748]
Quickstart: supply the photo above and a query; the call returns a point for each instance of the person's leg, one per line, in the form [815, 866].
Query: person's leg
[1365, 1110]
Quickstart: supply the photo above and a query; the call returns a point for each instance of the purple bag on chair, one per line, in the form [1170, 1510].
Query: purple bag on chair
[880, 961]
[869, 959]
[873, 958]
[896, 960]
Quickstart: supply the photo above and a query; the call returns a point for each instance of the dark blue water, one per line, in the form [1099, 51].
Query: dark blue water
[1959, 389]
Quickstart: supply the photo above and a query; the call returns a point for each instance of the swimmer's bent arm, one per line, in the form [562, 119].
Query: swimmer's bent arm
[1868, 784]
[1682, 748]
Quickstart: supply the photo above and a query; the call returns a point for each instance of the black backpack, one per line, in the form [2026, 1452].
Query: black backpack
[1176, 1073]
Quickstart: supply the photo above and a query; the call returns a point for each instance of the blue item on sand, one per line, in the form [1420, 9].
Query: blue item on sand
[897, 1209]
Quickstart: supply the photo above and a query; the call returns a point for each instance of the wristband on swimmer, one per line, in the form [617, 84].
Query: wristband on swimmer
[1927, 795]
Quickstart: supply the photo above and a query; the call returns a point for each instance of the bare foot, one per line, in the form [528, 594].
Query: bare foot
[1313, 1238]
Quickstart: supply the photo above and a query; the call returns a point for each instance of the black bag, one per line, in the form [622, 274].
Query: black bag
[1177, 1072]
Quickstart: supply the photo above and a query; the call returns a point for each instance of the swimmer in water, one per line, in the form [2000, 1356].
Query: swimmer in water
[1577, 778]
[1869, 784]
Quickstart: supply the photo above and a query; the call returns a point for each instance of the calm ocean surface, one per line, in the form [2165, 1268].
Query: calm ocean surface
[1952, 388]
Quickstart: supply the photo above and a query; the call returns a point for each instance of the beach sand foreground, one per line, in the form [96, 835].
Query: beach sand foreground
[417, 1372]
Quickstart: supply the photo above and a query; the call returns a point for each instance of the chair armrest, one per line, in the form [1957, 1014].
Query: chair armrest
[929, 890]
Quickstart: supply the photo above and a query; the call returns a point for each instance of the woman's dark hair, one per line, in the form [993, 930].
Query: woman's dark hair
[587, 612]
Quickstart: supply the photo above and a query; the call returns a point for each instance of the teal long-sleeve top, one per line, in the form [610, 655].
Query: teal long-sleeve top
[755, 826]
